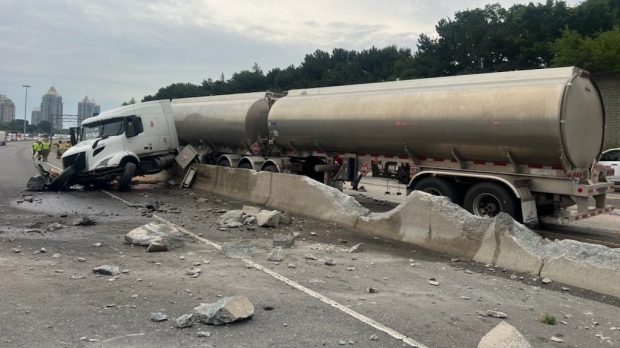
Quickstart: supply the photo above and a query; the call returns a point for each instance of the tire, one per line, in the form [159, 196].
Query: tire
[246, 165]
[224, 163]
[437, 187]
[61, 182]
[125, 180]
[271, 168]
[487, 199]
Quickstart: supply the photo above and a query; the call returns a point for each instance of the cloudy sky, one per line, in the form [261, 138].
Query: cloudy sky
[113, 50]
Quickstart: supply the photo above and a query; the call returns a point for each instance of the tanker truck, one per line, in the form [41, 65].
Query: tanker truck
[524, 142]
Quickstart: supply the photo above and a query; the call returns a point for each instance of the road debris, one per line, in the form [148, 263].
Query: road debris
[107, 270]
[156, 237]
[224, 311]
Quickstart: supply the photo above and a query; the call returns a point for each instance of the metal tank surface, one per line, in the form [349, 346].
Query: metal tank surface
[230, 122]
[534, 116]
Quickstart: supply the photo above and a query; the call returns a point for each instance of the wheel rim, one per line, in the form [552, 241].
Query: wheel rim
[487, 205]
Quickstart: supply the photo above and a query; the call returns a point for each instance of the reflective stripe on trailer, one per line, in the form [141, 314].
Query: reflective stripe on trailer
[590, 214]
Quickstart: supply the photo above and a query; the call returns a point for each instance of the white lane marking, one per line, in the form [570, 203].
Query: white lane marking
[364, 319]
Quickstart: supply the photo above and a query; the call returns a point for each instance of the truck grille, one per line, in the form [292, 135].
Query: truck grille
[77, 160]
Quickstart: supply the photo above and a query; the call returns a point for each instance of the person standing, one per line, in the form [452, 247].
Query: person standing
[34, 148]
[45, 149]
[37, 148]
[59, 149]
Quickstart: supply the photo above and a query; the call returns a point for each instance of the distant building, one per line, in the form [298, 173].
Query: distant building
[35, 117]
[7, 109]
[51, 108]
[87, 108]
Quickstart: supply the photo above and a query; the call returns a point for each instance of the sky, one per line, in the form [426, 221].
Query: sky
[113, 50]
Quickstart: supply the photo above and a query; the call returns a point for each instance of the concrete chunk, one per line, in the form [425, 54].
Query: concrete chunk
[162, 237]
[268, 218]
[224, 311]
[504, 335]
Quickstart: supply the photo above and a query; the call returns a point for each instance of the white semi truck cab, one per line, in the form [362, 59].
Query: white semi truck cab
[115, 146]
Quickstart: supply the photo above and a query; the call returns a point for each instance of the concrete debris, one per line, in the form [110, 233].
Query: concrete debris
[371, 290]
[251, 210]
[203, 334]
[43, 250]
[159, 317]
[275, 255]
[85, 221]
[356, 248]
[249, 220]
[433, 282]
[231, 217]
[54, 227]
[201, 200]
[492, 314]
[157, 237]
[233, 224]
[97, 244]
[556, 339]
[285, 218]
[186, 320]
[546, 280]
[237, 250]
[15, 250]
[284, 241]
[374, 337]
[267, 218]
[310, 257]
[28, 198]
[330, 262]
[504, 335]
[194, 272]
[107, 270]
[224, 311]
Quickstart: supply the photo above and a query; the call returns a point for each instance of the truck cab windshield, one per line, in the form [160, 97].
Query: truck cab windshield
[97, 130]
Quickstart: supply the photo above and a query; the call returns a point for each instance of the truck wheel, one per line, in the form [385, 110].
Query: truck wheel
[62, 180]
[487, 199]
[224, 163]
[437, 187]
[125, 180]
[246, 165]
[271, 168]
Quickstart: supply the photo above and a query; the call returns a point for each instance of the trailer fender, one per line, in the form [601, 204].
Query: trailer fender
[228, 160]
[251, 162]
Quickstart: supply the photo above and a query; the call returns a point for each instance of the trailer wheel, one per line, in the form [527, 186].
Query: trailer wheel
[246, 165]
[271, 168]
[224, 163]
[487, 199]
[437, 187]
[125, 180]
[62, 180]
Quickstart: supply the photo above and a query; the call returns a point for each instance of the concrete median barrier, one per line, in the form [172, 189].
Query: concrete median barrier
[302, 195]
[427, 221]
[243, 184]
[588, 266]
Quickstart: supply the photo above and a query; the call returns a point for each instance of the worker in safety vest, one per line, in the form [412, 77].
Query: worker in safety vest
[46, 146]
[37, 147]
[67, 145]
[59, 149]
[34, 149]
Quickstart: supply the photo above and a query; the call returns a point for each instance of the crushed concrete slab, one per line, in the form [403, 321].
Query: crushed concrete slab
[266, 218]
[157, 317]
[284, 241]
[251, 210]
[185, 320]
[231, 217]
[275, 255]
[504, 335]
[237, 250]
[156, 236]
[224, 311]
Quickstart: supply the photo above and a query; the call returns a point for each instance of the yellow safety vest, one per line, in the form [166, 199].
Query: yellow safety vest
[46, 145]
[37, 146]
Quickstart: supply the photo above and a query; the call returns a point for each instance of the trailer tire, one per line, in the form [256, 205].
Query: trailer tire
[125, 180]
[224, 163]
[271, 168]
[488, 199]
[437, 187]
[246, 165]
[62, 180]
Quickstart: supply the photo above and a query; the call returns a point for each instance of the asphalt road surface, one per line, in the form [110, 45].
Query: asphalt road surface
[53, 299]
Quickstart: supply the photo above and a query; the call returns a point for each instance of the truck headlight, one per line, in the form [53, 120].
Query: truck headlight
[103, 163]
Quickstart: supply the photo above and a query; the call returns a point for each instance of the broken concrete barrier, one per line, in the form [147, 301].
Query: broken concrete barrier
[305, 196]
[224, 311]
[246, 185]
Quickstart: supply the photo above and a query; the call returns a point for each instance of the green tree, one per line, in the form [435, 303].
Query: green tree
[596, 54]
[45, 127]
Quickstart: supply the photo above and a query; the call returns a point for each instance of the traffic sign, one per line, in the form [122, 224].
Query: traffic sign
[364, 168]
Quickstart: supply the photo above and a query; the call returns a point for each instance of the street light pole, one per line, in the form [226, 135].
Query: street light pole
[25, 108]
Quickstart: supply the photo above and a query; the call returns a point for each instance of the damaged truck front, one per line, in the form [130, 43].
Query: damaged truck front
[115, 146]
